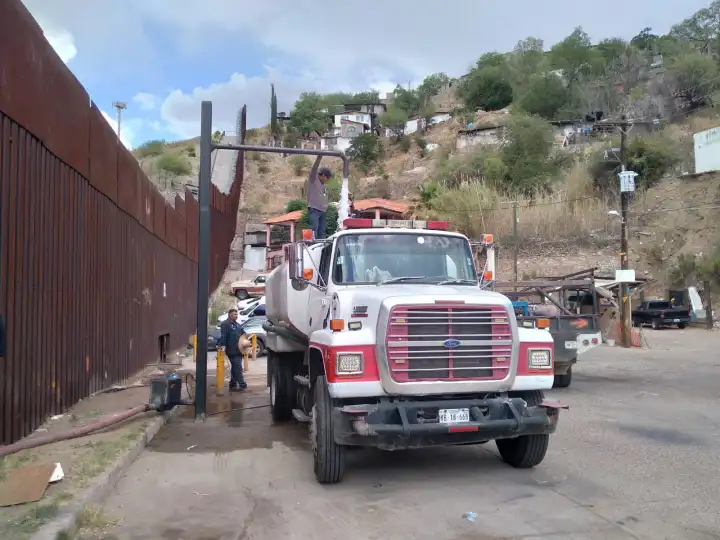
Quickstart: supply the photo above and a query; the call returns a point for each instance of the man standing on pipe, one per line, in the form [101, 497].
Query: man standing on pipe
[317, 198]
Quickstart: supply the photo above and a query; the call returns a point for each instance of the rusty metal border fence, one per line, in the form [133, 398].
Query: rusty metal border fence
[97, 272]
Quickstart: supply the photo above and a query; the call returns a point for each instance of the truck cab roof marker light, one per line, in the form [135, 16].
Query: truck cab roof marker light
[366, 223]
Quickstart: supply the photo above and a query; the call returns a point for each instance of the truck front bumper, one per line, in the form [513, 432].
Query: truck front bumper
[416, 424]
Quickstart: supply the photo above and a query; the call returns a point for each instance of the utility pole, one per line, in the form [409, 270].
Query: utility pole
[120, 106]
[626, 328]
[516, 240]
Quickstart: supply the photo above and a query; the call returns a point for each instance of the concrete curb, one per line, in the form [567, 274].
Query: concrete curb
[63, 525]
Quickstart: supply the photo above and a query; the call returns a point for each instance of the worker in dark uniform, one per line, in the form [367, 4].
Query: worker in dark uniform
[230, 332]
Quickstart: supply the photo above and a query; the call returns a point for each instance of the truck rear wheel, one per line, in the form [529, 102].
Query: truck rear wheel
[526, 451]
[329, 457]
[563, 381]
[282, 391]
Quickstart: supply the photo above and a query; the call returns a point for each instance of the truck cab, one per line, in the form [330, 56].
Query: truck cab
[382, 335]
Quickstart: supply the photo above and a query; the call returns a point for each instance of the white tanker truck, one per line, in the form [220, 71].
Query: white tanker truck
[383, 336]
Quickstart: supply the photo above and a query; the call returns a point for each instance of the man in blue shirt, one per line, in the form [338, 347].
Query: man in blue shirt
[230, 332]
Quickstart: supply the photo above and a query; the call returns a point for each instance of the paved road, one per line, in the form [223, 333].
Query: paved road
[635, 457]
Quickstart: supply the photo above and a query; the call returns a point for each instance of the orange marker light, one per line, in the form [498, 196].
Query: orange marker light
[487, 275]
[307, 234]
[336, 325]
[488, 238]
[542, 323]
[307, 273]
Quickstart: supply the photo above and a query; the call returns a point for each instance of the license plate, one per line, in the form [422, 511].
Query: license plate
[454, 416]
[676, 320]
[571, 344]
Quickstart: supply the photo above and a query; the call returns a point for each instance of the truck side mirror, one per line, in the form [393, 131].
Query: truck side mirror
[296, 261]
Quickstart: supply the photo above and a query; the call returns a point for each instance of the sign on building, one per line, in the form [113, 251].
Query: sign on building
[707, 150]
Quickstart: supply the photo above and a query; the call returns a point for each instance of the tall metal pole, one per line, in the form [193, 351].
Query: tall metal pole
[119, 120]
[516, 240]
[203, 266]
[626, 327]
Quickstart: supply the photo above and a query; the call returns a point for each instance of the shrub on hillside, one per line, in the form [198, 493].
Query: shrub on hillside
[150, 149]
[651, 157]
[176, 164]
[365, 151]
[404, 143]
[300, 164]
[295, 204]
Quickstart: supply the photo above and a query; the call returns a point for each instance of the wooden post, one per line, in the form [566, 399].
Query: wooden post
[708, 305]
[220, 373]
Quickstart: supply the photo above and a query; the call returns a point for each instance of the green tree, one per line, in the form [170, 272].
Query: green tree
[645, 40]
[368, 97]
[431, 86]
[310, 114]
[526, 60]
[406, 100]
[295, 204]
[150, 148]
[491, 60]
[576, 57]
[486, 88]
[525, 153]
[365, 151]
[274, 127]
[176, 164]
[612, 50]
[695, 77]
[395, 119]
[702, 30]
[544, 95]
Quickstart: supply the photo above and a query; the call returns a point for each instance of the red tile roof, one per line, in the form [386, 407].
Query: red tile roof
[382, 204]
[361, 206]
[290, 217]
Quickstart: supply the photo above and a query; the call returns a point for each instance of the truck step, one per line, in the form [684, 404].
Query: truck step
[300, 416]
[302, 380]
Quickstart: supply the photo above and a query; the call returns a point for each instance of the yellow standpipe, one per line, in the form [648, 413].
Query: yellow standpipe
[254, 346]
[194, 347]
[220, 373]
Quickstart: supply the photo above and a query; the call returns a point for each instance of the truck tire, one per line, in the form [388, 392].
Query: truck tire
[563, 381]
[282, 389]
[655, 324]
[526, 451]
[328, 456]
[682, 325]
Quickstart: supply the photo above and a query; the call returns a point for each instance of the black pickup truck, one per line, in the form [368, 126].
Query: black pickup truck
[659, 313]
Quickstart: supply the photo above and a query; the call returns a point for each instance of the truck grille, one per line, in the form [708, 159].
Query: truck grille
[448, 342]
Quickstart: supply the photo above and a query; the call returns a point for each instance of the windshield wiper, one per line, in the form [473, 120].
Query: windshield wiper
[458, 282]
[399, 279]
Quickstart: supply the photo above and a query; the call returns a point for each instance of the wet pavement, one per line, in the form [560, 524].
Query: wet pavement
[635, 457]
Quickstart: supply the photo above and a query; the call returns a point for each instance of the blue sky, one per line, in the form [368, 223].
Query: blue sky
[165, 56]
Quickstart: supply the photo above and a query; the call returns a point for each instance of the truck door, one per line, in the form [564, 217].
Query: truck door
[319, 302]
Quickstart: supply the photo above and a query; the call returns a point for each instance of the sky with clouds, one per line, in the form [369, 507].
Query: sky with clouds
[166, 56]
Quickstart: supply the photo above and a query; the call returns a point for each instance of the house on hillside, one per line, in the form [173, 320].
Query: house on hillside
[490, 134]
[346, 126]
[417, 123]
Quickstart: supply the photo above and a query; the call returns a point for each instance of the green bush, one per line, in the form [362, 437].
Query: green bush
[150, 149]
[263, 169]
[191, 151]
[365, 151]
[176, 164]
[404, 143]
[651, 157]
[420, 141]
[295, 204]
[300, 164]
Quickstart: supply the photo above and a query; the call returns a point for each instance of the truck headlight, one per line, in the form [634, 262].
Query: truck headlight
[348, 363]
[539, 358]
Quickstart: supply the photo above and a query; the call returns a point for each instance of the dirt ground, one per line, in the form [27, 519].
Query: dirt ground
[634, 457]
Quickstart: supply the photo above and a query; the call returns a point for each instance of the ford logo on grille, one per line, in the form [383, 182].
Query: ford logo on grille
[451, 343]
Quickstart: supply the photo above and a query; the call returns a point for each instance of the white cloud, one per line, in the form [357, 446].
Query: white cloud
[321, 45]
[62, 41]
[147, 102]
[127, 130]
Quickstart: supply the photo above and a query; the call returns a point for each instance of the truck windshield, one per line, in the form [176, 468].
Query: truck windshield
[372, 258]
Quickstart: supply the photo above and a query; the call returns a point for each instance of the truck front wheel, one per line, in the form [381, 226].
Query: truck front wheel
[329, 457]
[526, 451]
[282, 392]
